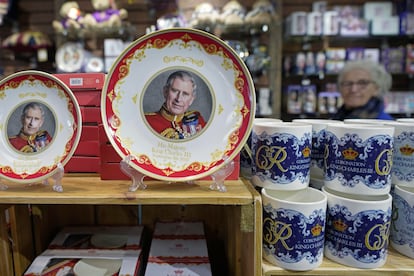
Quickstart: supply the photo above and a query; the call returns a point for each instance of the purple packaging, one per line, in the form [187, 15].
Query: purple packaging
[407, 23]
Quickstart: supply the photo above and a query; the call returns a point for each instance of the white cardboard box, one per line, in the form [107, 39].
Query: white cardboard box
[98, 238]
[187, 269]
[179, 228]
[374, 10]
[296, 23]
[98, 263]
[385, 25]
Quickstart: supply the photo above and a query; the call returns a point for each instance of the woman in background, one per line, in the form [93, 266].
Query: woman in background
[362, 84]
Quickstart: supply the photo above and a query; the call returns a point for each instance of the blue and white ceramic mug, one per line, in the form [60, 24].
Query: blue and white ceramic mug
[358, 158]
[246, 159]
[402, 226]
[403, 156]
[294, 227]
[357, 229]
[318, 145]
[282, 154]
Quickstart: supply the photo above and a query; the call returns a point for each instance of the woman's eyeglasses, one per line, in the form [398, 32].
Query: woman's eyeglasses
[359, 83]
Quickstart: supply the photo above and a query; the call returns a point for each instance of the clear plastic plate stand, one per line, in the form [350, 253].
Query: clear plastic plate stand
[57, 180]
[136, 176]
[219, 176]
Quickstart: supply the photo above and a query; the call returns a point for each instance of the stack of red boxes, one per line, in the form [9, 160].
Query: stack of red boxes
[110, 159]
[87, 88]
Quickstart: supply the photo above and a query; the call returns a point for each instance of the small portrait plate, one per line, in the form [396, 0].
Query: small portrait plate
[40, 124]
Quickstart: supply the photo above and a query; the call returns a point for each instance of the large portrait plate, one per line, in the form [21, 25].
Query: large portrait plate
[134, 91]
[40, 124]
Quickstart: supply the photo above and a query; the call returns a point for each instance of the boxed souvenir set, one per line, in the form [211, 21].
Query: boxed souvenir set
[178, 248]
[93, 250]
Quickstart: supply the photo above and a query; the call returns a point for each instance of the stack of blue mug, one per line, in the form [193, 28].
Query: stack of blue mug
[357, 181]
[294, 214]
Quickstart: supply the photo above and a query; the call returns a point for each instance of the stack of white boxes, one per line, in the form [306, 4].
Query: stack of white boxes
[178, 248]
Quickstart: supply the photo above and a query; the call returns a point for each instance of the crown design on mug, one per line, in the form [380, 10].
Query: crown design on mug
[306, 152]
[316, 230]
[340, 225]
[350, 154]
[407, 150]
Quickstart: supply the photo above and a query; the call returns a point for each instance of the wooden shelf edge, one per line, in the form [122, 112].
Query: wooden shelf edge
[92, 190]
[396, 264]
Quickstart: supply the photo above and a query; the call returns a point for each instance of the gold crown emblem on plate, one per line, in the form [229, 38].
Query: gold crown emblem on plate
[350, 154]
[306, 152]
[340, 225]
[316, 230]
[407, 150]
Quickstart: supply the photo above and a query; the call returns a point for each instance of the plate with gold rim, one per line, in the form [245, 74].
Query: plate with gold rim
[40, 123]
[178, 104]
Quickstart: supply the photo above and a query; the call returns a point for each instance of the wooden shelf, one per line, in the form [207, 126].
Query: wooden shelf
[233, 230]
[396, 264]
[92, 190]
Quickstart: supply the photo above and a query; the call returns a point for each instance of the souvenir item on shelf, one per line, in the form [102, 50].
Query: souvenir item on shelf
[294, 228]
[71, 18]
[358, 158]
[170, 20]
[70, 57]
[357, 228]
[401, 234]
[296, 23]
[240, 48]
[94, 266]
[233, 14]
[94, 64]
[263, 12]
[26, 41]
[330, 23]
[403, 159]
[204, 16]
[258, 60]
[281, 153]
[314, 23]
[407, 23]
[105, 15]
[41, 126]
[158, 124]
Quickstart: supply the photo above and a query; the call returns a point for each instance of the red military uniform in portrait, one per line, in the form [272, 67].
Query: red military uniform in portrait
[175, 126]
[32, 143]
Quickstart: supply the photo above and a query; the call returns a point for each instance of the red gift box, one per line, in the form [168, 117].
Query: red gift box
[90, 133]
[83, 164]
[91, 114]
[83, 81]
[88, 98]
[87, 148]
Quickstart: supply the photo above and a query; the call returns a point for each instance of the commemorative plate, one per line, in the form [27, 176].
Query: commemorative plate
[70, 57]
[40, 126]
[179, 103]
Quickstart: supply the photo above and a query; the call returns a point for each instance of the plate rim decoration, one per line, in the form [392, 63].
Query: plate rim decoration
[232, 112]
[28, 86]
